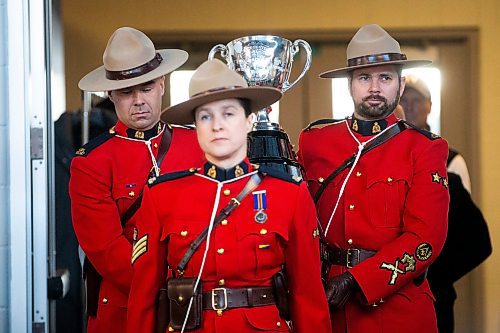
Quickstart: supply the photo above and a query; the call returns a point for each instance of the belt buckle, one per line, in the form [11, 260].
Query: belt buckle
[215, 293]
[349, 257]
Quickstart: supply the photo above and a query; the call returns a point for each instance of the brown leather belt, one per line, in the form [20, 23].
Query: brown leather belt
[225, 298]
[345, 257]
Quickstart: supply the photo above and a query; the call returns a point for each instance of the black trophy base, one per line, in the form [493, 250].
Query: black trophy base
[272, 148]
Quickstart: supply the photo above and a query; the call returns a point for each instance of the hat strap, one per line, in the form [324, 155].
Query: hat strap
[137, 71]
[375, 58]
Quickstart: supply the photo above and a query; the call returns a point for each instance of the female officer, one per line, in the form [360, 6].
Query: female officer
[270, 230]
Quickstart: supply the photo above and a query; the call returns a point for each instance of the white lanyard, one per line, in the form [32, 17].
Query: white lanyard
[151, 154]
[361, 146]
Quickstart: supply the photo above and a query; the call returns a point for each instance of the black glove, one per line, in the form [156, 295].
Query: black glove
[340, 289]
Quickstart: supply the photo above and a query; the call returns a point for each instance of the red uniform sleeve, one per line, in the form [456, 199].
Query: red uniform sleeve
[425, 217]
[96, 221]
[149, 262]
[308, 305]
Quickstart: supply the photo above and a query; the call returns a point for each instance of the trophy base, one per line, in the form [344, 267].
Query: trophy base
[269, 145]
[294, 170]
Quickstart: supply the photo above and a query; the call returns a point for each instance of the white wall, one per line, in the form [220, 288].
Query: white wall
[4, 186]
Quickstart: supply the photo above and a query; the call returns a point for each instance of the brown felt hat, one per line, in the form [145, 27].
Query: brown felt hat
[214, 81]
[130, 59]
[373, 46]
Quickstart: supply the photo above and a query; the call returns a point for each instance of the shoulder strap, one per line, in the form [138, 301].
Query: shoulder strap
[323, 121]
[390, 133]
[164, 144]
[162, 151]
[252, 183]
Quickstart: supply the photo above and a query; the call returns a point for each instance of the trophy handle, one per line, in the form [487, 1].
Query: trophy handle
[219, 47]
[296, 47]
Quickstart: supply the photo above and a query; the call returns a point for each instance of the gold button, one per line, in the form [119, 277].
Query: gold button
[223, 222]
[358, 174]
[170, 329]
[351, 207]
[227, 192]
[180, 298]
[105, 301]
[222, 282]
[219, 313]
[321, 179]
[155, 145]
[220, 251]
[278, 324]
[389, 179]
[349, 241]
[131, 194]
[263, 231]
[184, 233]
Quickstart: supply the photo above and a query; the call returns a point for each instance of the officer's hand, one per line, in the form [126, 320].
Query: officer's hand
[340, 289]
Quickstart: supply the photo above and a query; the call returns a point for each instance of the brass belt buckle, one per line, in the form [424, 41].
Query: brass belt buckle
[215, 293]
[349, 258]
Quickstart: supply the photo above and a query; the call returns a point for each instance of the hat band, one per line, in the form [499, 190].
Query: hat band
[375, 58]
[137, 71]
[209, 91]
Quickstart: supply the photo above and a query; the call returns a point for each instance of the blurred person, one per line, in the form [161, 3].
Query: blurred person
[109, 172]
[466, 224]
[417, 103]
[67, 139]
[271, 234]
[380, 188]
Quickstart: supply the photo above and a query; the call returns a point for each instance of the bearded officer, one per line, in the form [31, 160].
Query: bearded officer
[384, 215]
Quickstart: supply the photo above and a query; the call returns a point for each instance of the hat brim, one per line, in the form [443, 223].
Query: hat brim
[343, 72]
[96, 80]
[259, 97]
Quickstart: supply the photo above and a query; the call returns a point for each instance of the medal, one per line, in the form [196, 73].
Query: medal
[260, 205]
[260, 217]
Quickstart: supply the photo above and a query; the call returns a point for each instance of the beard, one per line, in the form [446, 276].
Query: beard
[374, 112]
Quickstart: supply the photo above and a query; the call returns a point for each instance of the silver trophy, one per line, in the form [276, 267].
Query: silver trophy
[265, 60]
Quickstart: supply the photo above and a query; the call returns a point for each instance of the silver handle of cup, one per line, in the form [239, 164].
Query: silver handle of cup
[223, 52]
[296, 48]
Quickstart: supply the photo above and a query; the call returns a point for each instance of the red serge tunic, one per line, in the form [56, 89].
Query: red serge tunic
[107, 175]
[242, 252]
[395, 202]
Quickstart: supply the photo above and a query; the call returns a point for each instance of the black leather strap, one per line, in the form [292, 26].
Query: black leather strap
[384, 137]
[162, 151]
[225, 298]
[345, 257]
[252, 183]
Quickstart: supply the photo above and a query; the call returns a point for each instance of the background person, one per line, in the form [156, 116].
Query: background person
[466, 224]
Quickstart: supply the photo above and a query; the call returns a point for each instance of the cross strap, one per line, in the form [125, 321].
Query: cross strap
[384, 137]
[252, 183]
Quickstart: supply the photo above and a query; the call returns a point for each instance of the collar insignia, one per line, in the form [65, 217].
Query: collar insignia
[368, 127]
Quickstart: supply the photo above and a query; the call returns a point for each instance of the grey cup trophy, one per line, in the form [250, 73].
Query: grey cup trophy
[265, 60]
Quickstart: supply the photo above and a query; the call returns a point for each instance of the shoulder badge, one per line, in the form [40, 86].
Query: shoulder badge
[320, 123]
[95, 142]
[426, 133]
[170, 176]
[273, 172]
